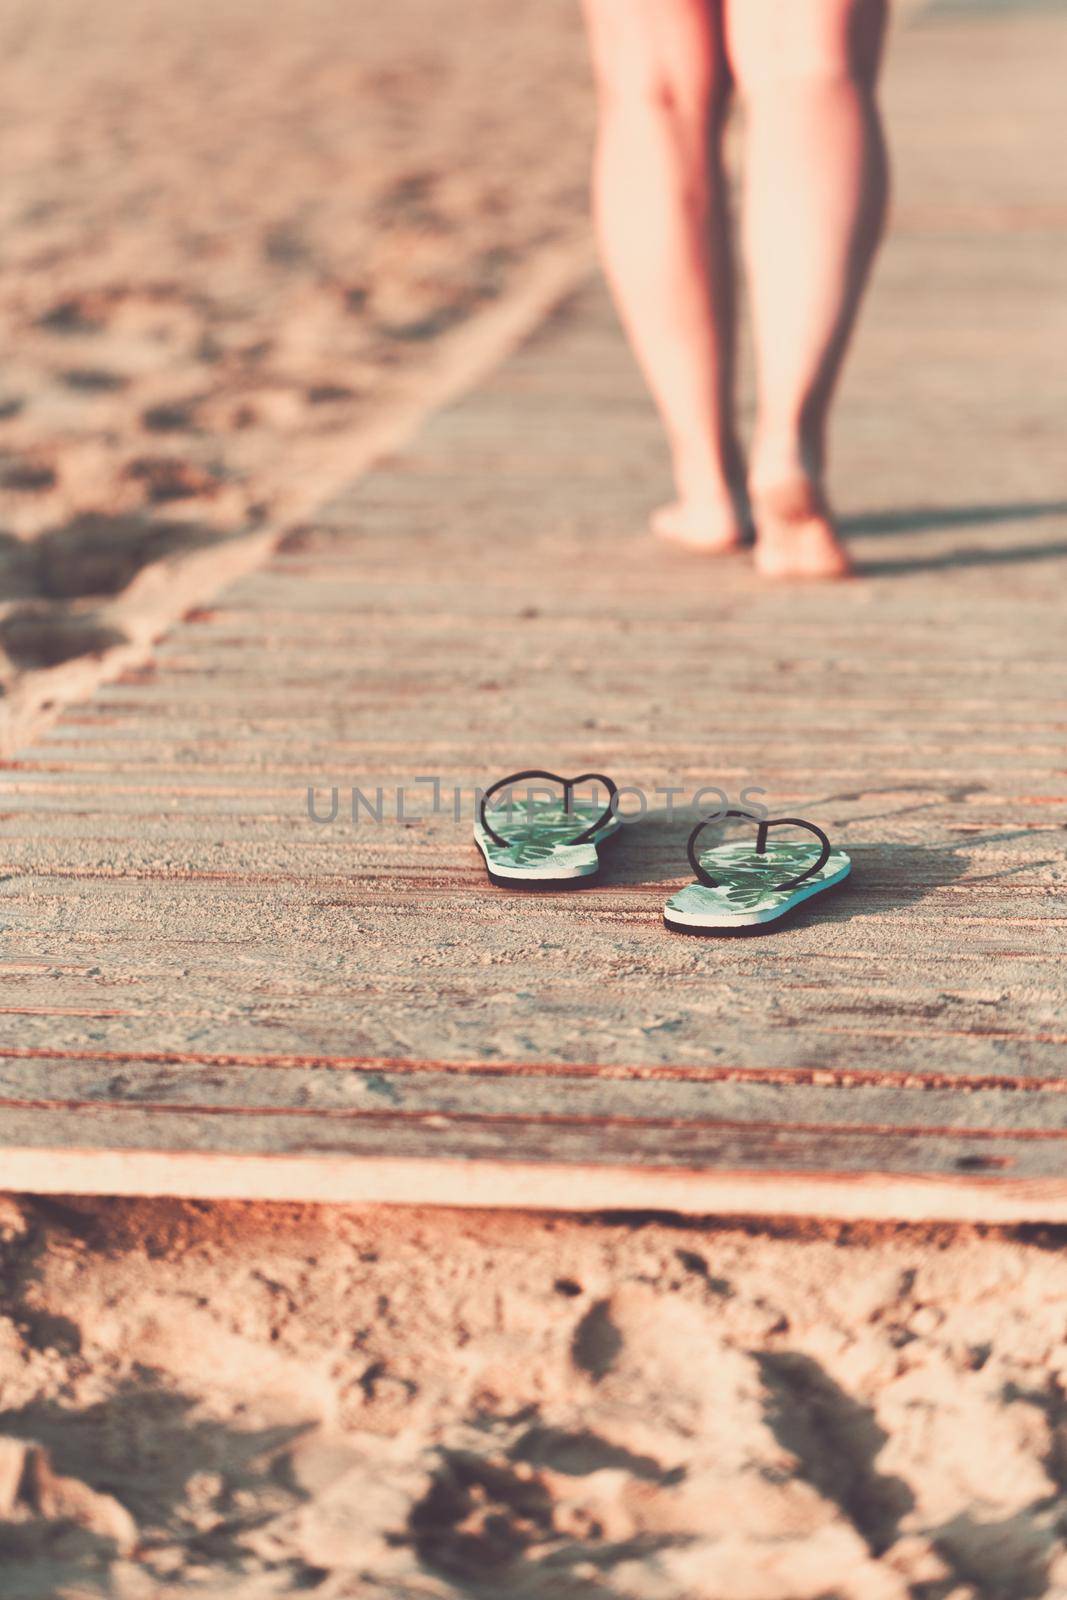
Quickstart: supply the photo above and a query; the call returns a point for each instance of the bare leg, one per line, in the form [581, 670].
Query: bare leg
[660, 207]
[815, 197]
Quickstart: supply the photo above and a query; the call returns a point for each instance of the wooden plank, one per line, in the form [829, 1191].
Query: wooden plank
[484, 1164]
[383, 1090]
[204, 992]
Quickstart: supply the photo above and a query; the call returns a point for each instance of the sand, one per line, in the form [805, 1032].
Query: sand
[259, 1401]
[232, 235]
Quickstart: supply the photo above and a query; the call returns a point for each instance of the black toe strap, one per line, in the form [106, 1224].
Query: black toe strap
[762, 828]
[569, 786]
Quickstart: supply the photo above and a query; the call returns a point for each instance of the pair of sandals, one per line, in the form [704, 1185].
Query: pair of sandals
[555, 840]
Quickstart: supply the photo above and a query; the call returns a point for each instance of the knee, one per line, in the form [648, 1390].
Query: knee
[649, 63]
[640, 88]
[775, 43]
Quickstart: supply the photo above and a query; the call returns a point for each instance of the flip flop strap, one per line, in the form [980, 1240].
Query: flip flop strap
[569, 786]
[762, 827]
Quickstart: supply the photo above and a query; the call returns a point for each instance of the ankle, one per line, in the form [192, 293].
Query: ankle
[785, 458]
[788, 502]
[707, 477]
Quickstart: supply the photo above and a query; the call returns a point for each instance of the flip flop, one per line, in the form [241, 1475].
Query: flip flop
[739, 888]
[544, 841]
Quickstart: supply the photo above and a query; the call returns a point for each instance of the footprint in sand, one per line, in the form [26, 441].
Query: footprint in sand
[36, 638]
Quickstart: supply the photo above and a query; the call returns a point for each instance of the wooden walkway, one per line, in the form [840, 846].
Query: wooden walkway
[204, 991]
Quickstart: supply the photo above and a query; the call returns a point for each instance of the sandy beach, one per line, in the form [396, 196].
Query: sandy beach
[231, 236]
[427, 1404]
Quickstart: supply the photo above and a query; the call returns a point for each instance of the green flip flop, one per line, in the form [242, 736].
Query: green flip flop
[546, 841]
[738, 887]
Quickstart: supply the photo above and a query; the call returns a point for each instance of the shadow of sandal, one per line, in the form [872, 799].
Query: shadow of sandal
[885, 876]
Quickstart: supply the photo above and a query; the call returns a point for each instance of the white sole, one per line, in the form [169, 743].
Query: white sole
[568, 875]
[521, 876]
[752, 919]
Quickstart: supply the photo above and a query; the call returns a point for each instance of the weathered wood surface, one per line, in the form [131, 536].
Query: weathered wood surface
[203, 991]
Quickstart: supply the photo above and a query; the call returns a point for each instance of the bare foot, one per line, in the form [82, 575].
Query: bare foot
[795, 536]
[709, 523]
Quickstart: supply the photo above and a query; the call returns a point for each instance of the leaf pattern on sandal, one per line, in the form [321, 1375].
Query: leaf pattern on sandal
[539, 834]
[747, 883]
[744, 883]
